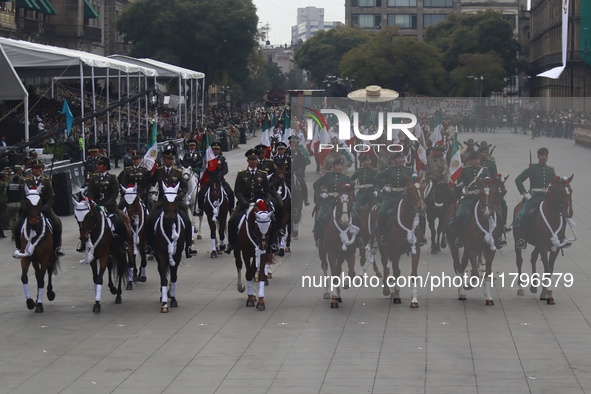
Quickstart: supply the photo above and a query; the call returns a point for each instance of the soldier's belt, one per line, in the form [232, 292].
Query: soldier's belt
[469, 192]
[367, 185]
[393, 189]
[538, 190]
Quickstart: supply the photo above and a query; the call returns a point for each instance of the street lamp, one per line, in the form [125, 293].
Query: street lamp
[480, 81]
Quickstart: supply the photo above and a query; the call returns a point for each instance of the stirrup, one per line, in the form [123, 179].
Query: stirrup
[59, 252]
[228, 249]
[383, 240]
[520, 244]
[459, 242]
[502, 243]
[80, 248]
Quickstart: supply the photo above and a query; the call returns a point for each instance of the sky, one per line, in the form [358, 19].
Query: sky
[282, 15]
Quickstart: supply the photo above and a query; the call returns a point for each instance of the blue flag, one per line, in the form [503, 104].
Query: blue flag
[69, 117]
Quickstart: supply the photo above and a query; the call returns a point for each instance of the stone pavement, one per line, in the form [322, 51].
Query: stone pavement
[212, 343]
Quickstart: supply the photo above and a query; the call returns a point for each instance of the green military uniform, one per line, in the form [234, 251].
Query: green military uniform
[490, 165]
[365, 186]
[330, 183]
[3, 200]
[468, 179]
[395, 178]
[138, 176]
[267, 165]
[90, 167]
[539, 176]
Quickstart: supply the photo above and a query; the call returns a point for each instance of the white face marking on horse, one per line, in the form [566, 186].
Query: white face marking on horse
[33, 195]
[170, 193]
[81, 210]
[263, 220]
[486, 191]
[129, 194]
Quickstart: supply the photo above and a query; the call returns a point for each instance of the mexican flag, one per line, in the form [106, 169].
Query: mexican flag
[210, 162]
[152, 153]
[455, 163]
[421, 160]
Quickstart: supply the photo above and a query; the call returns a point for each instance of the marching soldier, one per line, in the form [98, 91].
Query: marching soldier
[252, 184]
[192, 157]
[326, 190]
[90, 163]
[470, 174]
[366, 190]
[215, 171]
[35, 180]
[170, 175]
[394, 180]
[539, 176]
[138, 175]
[103, 188]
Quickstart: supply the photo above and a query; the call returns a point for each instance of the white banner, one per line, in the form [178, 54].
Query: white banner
[556, 71]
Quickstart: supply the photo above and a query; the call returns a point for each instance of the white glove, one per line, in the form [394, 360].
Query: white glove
[324, 195]
[527, 196]
[375, 193]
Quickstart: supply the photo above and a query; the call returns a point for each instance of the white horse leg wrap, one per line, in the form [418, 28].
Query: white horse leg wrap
[213, 244]
[143, 271]
[173, 289]
[261, 289]
[27, 291]
[130, 274]
[487, 287]
[249, 287]
[40, 295]
[97, 292]
[164, 294]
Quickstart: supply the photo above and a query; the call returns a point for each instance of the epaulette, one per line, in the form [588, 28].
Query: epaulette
[128, 167]
[241, 171]
[95, 174]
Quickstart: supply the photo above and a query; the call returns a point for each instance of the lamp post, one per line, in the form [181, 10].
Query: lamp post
[479, 79]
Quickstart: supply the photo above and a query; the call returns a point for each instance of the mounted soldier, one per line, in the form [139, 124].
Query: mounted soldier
[137, 175]
[252, 184]
[38, 180]
[263, 163]
[469, 149]
[216, 169]
[170, 175]
[192, 157]
[334, 155]
[539, 176]
[90, 163]
[300, 160]
[488, 161]
[326, 191]
[364, 178]
[468, 180]
[282, 157]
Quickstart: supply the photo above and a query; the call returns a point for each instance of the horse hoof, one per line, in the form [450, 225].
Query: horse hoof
[118, 299]
[142, 279]
[414, 305]
[334, 305]
[30, 304]
[490, 302]
[260, 307]
[433, 251]
[270, 275]
[520, 292]
[240, 288]
[249, 304]
[281, 252]
[39, 308]
[214, 254]
[288, 250]
[51, 295]
[164, 308]
[443, 244]
[173, 303]
[339, 300]
[462, 297]
[397, 301]
[386, 291]
[150, 258]
[97, 307]
[326, 296]
[550, 301]
[129, 286]
[199, 237]
[266, 282]
[135, 277]
[113, 290]
[533, 290]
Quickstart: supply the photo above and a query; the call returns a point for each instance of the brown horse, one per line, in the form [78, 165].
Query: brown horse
[169, 243]
[102, 248]
[216, 208]
[547, 233]
[255, 231]
[368, 236]
[136, 211]
[339, 240]
[438, 198]
[284, 191]
[481, 233]
[38, 250]
[402, 237]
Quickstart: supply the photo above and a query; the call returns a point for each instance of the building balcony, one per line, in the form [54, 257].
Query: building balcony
[7, 19]
[93, 33]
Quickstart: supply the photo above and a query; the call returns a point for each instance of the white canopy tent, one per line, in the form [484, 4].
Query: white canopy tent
[37, 60]
[172, 71]
[12, 87]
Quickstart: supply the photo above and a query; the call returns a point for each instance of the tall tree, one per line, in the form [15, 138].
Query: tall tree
[216, 37]
[321, 54]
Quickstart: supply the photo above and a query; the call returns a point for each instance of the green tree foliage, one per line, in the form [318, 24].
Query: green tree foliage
[321, 54]
[471, 67]
[216, 37]
[479, 33]
[395, 62]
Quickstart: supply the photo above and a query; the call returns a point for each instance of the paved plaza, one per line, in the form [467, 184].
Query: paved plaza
[212, 343]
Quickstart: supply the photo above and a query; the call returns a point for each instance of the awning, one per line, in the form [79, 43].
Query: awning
[50, 8]
[27, 5]
[164, 69]
[89, 11]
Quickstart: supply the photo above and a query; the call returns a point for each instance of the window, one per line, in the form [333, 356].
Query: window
[431, 19]
[366, 3]
[438, 3]
[402, 3]
[403, 21]
[367, 21]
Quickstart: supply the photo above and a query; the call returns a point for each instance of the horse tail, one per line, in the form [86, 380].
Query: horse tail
[54, 268]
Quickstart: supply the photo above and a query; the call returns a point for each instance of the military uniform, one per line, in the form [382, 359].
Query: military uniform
[90, 167]
[299, 163]
[365, 186]
[329, 161]
[3, 199]
[490, 165]
[395, 177]
[330, 183]
[218, 174]
[539, 176]
[436, 169]
[46, 201]
[193, 160]
[138, 176]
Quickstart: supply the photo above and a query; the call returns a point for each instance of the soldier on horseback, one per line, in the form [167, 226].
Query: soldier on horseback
[217, 169]
[252, 184]
[365, 186]
[300, 161]
[137, 175]
[170, 175]
[103, 189]
[539, 176]
[90, 163]
[468, 180]
[264, 164]
[192, 157]
[34, 181]
[326, 191]
[394, 180]
[486, 160]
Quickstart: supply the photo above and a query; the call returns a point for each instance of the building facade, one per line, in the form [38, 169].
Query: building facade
[310, 20]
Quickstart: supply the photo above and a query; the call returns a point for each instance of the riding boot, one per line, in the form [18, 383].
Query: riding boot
[57, 239]
[189, 249]
[459, 241]
[423, 227]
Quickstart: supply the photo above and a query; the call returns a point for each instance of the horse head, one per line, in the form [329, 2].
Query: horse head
[415, 192]
[129, 194]
[344, 202]
[488, 194]
[85, 212]
[560, 193]
[262, 218]
[169, 203]
[32, 207]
